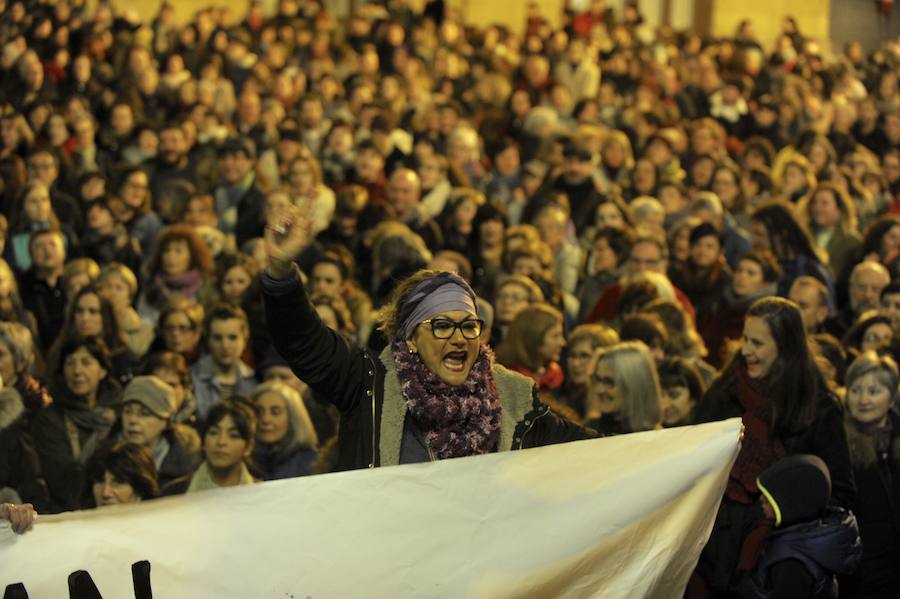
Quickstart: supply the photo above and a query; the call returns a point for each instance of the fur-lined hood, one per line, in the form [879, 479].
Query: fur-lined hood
[11, 407]
[862, 446]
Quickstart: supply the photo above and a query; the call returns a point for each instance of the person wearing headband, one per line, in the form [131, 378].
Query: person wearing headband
[434, 392]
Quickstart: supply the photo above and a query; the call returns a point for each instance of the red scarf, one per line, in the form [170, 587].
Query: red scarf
[760, 449]
[552, 377]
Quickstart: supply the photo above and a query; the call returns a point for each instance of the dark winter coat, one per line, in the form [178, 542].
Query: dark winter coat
[19, 466]
[366, 390]
[184, 454]
[825, 437]
[274, 462]
[706, 288]
[802, 561]
[877, 508]
[63, 470]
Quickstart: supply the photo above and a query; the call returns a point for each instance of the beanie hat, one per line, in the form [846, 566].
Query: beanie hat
[704, 230]
[152, 393]
[798, 487]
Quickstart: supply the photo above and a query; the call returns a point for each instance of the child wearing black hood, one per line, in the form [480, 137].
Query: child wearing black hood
[811, 542]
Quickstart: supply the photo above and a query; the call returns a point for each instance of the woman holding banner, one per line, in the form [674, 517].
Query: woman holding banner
[435, 392]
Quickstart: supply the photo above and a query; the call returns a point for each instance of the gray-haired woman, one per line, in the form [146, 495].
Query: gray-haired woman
[285, 438]
[433, 393]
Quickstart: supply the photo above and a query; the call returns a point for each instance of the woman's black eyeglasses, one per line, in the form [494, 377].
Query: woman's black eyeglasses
[444, 328]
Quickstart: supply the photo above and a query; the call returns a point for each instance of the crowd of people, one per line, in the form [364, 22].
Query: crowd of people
[655, 228]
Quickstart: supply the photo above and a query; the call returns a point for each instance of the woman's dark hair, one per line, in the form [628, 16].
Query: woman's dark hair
[229, 260]
[767, 262]
[875, 232]
[762, 179]
[339, 257]
[112, 335]
[623, 208]
[795, 382]
[787, 236]
[636, 295]
[831, 350]
[242, 413]
[18, 218]
[620, 241]
[678, 372]
[93, 345]
[486, 213]
[762, 145]
[648, 328]
[501, 146]
[127, 462]
[730, 167]
[123, 179]
[853, 338]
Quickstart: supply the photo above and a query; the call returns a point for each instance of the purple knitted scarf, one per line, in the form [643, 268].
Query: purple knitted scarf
[457, 420]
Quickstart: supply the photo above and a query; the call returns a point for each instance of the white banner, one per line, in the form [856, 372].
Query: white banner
[621, 517]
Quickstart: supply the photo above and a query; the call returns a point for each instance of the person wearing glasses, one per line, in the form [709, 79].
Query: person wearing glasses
[435, 392]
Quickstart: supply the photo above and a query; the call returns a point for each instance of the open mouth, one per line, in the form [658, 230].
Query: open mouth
[455, 361]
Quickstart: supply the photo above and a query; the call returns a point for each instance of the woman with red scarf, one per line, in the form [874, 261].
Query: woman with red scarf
[774, 385]
[533, 344]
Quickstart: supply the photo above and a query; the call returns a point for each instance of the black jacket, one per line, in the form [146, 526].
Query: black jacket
[64, 472]
[19, 465]
[802, 561]
[184, 454]
[877, 508]
[824, 438]
[365, 388]
[278, 462]
[48, 304]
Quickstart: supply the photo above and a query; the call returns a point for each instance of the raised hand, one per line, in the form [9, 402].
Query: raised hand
[287, 233]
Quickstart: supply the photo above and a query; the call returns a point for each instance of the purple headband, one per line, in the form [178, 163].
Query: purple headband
[443, 293]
